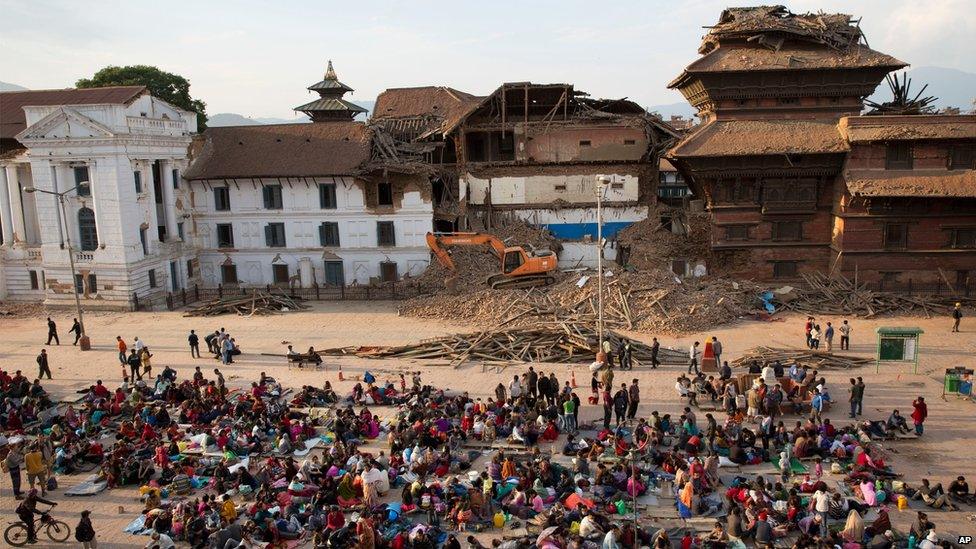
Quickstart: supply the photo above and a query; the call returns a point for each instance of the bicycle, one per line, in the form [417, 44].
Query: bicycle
[58, 531]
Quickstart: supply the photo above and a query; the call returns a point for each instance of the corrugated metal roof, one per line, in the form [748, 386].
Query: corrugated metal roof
[12, 118]
[329, 85]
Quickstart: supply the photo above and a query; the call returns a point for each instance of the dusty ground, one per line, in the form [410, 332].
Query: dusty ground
[941, 455]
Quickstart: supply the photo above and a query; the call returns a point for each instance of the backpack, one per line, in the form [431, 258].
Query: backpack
[52, 483]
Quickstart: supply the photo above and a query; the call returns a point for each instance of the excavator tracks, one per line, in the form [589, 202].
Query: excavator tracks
[502, 282]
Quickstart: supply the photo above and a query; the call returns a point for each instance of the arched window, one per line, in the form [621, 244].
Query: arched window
[86, 229]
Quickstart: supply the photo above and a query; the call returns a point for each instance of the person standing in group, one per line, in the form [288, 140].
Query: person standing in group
[856, 394]
[829, 337]
[569, 415]
[135, 364]
[120, 343]
[860, 395]
[624, 354]
[607, 351]
[621, 401]
[717, 349]
[194, 341]
[919, 413]
[845, 336]
[210, 340]
[42, 365]
[36, 468]
[52, 332]
[634, 399]
[815, 337]
[76, 329]
[13, 462]
[532, 380]
[808, 328]
[137, 345]
[655, 349]
[956, 317]
[607, 405]
[146, 358]
[85, 532]
[694, 356]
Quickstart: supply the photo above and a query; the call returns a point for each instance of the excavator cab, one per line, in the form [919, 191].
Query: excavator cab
[513, 260]
[519, 268]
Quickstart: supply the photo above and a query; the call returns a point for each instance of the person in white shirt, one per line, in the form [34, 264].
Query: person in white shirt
[138, 345]
[160, 541]
[694, 356]
[515, 388]
[589, 527]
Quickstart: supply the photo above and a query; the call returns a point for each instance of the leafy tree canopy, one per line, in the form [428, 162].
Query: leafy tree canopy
[169, 87]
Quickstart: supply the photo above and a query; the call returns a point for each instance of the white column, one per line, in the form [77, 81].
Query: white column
[7, 224]
[150, 189]
[169, 200]
[97, 200]
[64, 179]
[16, 204]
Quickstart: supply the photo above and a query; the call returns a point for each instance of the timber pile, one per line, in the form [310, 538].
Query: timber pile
[816, 360]
[651, 301]
[838, 295]
[258, 303]
[565, 343]
[651, 244]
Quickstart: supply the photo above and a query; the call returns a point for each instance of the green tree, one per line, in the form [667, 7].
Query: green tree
[172, 88]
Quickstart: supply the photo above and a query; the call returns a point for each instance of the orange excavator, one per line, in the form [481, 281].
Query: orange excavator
[519, 268]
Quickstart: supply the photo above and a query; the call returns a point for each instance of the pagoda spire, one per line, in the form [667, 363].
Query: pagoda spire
[330, 72]
[330, 106]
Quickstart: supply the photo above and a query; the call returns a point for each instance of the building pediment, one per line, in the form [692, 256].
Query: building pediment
[64, 123]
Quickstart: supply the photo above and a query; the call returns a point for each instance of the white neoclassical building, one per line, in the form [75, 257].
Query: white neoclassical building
[126, 222]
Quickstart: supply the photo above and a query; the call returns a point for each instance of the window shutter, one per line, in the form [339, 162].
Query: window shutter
[322, 235]
[268, 235]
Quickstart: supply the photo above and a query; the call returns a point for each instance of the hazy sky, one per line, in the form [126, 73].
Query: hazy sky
[256, 58]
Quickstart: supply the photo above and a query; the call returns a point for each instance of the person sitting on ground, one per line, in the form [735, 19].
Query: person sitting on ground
[959, 491]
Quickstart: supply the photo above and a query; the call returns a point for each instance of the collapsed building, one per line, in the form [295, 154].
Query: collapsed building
[796, 180]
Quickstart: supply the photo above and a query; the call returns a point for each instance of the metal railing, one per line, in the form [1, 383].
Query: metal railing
[174, 300]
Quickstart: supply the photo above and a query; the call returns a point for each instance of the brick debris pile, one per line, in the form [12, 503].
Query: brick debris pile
[650, 244]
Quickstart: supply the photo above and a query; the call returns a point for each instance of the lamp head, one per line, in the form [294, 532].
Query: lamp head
[29, 189]
[603, 179]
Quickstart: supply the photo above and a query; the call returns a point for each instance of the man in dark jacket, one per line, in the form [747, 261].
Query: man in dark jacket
[26, 511]
[135, 364]
[52, 332]
[194, 341]
[42, 365]
[621, 400]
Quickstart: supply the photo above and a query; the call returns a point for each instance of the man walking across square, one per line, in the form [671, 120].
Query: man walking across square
[194, 341]
[845, 336]
[52, 332]
[42, 366]
[694, 356]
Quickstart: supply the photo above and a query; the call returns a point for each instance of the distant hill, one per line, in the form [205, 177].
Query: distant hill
[681, 108]
[952, 87]
[234, 119]
[8, 87]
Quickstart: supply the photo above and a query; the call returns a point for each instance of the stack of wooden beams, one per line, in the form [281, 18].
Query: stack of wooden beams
[258, 303]
[565, 343]
[813, 359]
[838, 295]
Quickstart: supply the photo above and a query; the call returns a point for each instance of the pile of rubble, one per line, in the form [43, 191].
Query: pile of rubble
[769, 25]
[666, 233]
[651, 301]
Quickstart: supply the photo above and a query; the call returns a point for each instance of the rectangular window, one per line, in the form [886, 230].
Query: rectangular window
[272, 197]
[963, 238]
[898, 155]
[179, 231]
[79, 284]
[895, 236]
[92, 284]
[144, 240]
[222, 199]
[152, 278]
[225, 235]
[327, 196]
[280, 273]
[788, 100]
[385, 234]
[137, 179]
[559, 187]
[630, 142]
[787, 230]
[81, 176]
[617, 185]
[329, 234]
[274, 235]
[737, 232]
[962, 157]
[176, 178]
[785, 269]
[35, 285]
[157, 180]
[161, 232]
[189, 268]
[384, 192]
[228, 274]
[584, 143]
[334, 274]
[174, 276]
[388, 271]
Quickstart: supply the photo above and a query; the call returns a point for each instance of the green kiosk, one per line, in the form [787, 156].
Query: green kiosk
[898, 344]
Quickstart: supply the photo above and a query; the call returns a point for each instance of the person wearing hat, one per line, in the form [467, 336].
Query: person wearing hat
[956, 316]
[85, 532]
[931, 541]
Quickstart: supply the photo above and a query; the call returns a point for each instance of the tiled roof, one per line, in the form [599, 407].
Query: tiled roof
[13, 121]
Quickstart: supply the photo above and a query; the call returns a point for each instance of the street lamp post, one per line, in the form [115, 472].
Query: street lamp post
[84, 343]
[601, 182]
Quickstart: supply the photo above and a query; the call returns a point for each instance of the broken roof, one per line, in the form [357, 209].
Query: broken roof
[281, 150]
[749, 58]
[423, 109]
[761, 137]
[909, 183]
[13, 119]
[857, 129]
[771, 25]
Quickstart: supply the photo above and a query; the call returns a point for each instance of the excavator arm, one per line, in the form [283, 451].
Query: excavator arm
[439, 242]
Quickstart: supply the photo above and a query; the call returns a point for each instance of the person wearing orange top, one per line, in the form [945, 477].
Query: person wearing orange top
[122, 349]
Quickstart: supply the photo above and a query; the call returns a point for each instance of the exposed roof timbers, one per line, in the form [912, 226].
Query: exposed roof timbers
[772, 25]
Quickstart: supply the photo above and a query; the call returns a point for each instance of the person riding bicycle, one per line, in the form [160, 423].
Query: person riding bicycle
[27, 509]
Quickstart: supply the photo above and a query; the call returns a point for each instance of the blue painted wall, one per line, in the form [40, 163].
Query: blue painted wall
[576, 231]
